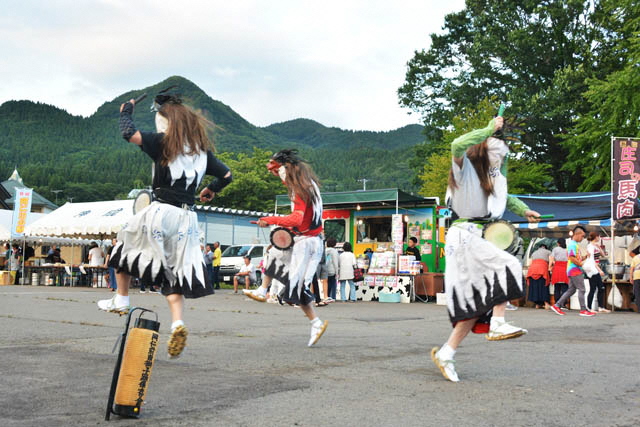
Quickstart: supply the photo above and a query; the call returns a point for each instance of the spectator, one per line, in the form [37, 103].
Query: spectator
[7, 254]
[113, 283]
[575, 273]
[635, 276]
[538, 277]
[96, 259]
[208, 262]
[322, 275]
[51, 250]
[217, 257]
[14, 262]
[369, 254]
[346, 274]
[144, 283]
[412, 249]
[333, 265]
[247, 273]
[29, 253]
[558, 266]
[594, 248]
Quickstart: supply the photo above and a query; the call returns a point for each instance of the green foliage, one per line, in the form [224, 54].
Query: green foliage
[88, 160]
[253, 187]
[614, 103]
[525, 176]
[537, 56]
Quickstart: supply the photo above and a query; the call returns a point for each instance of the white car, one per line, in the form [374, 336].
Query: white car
[232, 259]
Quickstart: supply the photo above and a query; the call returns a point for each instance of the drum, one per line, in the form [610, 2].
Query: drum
[502, 234]
[282, 238]
[143, 199]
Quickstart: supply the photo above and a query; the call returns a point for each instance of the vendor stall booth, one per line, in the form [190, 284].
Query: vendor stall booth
[383, 221]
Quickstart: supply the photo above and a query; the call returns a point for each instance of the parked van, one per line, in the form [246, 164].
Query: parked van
[232, 259]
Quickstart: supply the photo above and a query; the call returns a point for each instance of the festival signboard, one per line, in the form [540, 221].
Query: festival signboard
[625, 176]
[21, 208]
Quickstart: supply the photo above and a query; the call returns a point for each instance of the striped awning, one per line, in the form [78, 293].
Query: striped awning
[563, 224]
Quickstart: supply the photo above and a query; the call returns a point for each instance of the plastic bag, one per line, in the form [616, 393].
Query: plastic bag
[615, 297]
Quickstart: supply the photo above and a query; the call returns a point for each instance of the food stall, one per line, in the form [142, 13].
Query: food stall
[383, 221]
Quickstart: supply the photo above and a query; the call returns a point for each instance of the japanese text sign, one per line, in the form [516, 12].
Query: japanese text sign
[626, 175]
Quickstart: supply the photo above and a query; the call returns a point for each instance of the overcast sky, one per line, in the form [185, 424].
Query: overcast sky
[336, 62]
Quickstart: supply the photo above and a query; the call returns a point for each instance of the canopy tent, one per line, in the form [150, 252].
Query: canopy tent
[6, 218]
[569, 210]
[88, 220]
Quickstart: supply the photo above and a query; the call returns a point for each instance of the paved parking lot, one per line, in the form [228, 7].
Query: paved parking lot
[247, 364]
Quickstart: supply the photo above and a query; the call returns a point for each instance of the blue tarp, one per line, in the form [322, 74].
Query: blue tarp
[584, 208]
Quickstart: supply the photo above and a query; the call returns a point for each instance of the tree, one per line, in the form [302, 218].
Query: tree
[614, 103]
[535, 55]
[524, 176]
[253, 187]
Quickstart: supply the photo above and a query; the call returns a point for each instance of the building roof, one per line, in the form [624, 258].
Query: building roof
[4, 195]
[15, 181]
[347, 199]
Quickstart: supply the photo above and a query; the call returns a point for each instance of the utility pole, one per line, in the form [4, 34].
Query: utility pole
[364, 183]
[56, 192]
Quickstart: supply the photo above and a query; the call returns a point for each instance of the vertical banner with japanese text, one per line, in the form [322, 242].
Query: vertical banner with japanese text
[625, 178]
[21, 209]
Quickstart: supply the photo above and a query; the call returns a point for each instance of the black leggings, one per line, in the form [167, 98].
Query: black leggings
[595, 282]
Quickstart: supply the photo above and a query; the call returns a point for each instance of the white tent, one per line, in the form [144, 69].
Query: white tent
[87, 220]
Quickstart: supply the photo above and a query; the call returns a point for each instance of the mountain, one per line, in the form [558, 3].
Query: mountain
[88, 160]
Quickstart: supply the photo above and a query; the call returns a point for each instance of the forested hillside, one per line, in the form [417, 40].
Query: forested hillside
[88, 160]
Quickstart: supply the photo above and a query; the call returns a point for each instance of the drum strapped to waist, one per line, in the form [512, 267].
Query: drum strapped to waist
[146, 197]
[282, 238]
[502, 234]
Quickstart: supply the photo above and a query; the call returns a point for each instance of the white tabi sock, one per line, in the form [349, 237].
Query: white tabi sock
[446, 352]
[496, 321]
[175, 324]
[121, 301]
[316, 322]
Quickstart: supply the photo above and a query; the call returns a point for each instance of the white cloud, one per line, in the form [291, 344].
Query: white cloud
[337, 62]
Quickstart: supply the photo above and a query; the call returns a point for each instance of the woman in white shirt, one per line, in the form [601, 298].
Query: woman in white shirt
[96, 259]
[347, 262]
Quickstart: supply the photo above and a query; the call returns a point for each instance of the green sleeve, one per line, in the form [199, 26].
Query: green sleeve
[461, 143]
[516, 206]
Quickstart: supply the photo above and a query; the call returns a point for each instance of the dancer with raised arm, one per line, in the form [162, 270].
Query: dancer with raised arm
[480, 278]
[160, 244]
[296, 266]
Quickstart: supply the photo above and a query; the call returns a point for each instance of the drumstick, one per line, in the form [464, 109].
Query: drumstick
[253, 222]
[548, 216]
[501, 110]
[140, 98]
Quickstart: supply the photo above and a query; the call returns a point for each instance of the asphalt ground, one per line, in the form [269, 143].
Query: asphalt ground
[247, 364]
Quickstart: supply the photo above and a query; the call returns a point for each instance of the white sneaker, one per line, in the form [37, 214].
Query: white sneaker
[504, 331]
[316, 332]
[143, 292]
[447, 367]
[256, 294]
[109, 305]
[511, 307]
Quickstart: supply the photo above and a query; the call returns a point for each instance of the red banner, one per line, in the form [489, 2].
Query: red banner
[626, 175]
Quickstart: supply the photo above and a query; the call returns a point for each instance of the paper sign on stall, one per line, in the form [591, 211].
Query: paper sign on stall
[370, 281]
